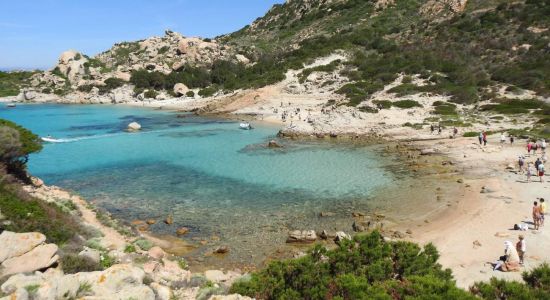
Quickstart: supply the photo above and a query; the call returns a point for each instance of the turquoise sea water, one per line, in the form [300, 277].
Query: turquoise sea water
[213, 177]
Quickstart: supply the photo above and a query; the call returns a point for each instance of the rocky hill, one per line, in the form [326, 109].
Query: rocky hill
[467, 50]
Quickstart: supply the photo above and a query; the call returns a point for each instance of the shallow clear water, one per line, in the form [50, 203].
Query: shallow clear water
[212, 176]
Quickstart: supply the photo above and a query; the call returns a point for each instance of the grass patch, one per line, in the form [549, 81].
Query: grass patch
[407, 89]
[514, 106]
[73, 263]
[444, 108]
[29, 215]
[302, 77]
[404, 104]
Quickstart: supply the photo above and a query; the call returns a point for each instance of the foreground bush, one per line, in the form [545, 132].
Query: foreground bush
[367, 267]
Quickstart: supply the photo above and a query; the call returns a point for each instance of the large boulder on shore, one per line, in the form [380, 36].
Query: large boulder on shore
[180, 89]
[16, 244]
[301, 236]
[38, 258]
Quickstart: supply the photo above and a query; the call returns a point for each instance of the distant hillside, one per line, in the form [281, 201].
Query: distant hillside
[467, 49]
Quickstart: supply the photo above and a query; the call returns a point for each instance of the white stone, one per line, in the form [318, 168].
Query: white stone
[134, 126]
[180, 89]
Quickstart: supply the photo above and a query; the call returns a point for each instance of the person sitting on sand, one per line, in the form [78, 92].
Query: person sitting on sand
[541, 171]
[536, 215]
[510, 261]
[521, 248]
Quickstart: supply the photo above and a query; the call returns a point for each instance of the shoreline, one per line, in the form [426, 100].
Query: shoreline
[468, 215]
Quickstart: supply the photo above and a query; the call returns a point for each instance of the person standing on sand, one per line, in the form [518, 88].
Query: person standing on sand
[484, 138]
[521, 163]
[480, 137]
[541, 171]
[542, 211]
[521, 248]
[432, 128]
[502, 138]
[511, 139]
[536, 215]
[439, 129]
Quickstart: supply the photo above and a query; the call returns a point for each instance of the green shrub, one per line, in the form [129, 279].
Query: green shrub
[406, 104]
[144, 244]
[190, 94]
[471, 134]
[72, 263]
[129, 248]
[12, 82]
[406, 89]
[207, 92]
[383, 104]
[514, 106]
[363, 267]
[444, 108]
[150, 94]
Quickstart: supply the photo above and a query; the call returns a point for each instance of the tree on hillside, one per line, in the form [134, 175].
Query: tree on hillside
[16, 144]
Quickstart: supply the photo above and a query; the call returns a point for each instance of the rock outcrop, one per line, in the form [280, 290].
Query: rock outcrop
[117, 282]
[134, 126]
[25, 252]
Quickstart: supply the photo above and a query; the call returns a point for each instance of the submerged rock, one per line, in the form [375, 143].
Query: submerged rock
[273, 144]
[301, 236]
[182, 231]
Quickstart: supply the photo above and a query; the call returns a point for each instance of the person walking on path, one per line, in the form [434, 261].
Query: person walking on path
[511, 139]
[543, 146]
[536, 215]
[540, 169]
[542, 211]
[537, 163]
[535, 147]
[521, 163]
[432, 128]
[439, 129]
[529, 172]
[529, 146]
[455, 132]
[521, 248]
[484, 138]
[480, 137]
[502, 138]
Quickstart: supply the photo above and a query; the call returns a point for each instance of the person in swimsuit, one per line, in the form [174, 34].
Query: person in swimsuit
[536, 215]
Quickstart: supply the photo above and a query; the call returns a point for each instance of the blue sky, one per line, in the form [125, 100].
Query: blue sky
[34, 32]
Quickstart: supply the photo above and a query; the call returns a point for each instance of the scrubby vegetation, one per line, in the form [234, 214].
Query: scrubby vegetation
[11, 82]
[370, 268]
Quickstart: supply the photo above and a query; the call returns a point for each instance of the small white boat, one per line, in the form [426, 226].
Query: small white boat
[50, 139]
[10, 105]
[245, 126]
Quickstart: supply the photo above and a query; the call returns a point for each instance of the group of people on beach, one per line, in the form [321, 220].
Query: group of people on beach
[513, 257]
[539, 168]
